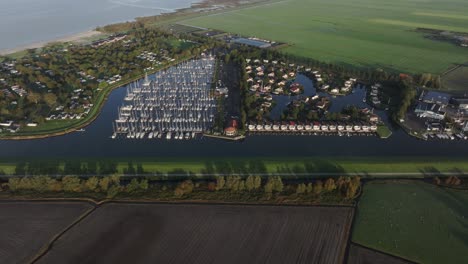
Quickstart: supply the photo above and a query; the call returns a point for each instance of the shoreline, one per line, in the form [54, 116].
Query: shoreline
[40, 44]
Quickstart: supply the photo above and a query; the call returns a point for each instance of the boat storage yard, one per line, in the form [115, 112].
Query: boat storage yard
[177, 104]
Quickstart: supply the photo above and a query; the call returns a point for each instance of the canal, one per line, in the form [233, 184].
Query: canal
[96, 142]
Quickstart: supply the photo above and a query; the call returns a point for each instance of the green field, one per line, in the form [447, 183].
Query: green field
[414, 220]
[368, 33]
[414, 167]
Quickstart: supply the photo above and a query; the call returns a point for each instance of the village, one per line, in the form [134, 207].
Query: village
[273, 95]
[31, 90]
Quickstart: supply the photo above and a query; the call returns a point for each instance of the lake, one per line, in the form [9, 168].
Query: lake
[23, 22]
[96, 142]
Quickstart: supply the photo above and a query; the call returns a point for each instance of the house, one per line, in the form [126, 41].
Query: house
[230, 131]
[6, 124]
[429, 110]
[461, 103]
[436, 98]
[374, 118]
[295, 89]
[465, 127]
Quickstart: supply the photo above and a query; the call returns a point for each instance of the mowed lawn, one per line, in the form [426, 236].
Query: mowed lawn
[414, 220]
[284, 165]
[370, 33]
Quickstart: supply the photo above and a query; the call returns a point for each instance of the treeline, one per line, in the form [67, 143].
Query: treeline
[406, 95]
[448, 181]
[221, 188]
[110, 185]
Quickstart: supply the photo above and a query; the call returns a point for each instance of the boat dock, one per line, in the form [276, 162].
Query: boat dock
[176, 104]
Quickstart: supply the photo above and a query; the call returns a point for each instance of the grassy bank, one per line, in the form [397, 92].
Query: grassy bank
[415, 167]
[365, 33]
[417, 221]
[383, 131]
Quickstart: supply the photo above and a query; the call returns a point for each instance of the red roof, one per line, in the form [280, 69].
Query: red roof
[233, 123]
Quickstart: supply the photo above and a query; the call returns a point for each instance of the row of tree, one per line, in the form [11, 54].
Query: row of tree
[347, 187]
[450, 181]
[110, 185]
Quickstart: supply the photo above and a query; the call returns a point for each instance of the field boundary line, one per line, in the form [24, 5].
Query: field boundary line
[349, 233]
[48, 246]
[383, 252]
[97, 204]
[201, 202]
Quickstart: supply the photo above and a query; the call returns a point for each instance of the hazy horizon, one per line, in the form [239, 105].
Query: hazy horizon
[24, 22]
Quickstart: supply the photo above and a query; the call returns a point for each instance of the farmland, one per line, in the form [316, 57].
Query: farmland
[364, 33]
[140, 233]
[27, 226]
[414, 220]
[360, 255]
[456, 80]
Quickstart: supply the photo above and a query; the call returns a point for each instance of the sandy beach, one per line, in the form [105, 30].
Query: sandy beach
[71, 38]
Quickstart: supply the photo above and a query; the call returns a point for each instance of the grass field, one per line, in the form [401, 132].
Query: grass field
[156, 233]
[456, 80]
[369, 33]
[286, 165]
[414, 220]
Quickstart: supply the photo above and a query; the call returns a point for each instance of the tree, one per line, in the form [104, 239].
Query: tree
[220, 182]
[50, 99]
[269, 187]
[317, 188]
[274, 184]
[278, 184]
[183, 188]
[14, 184]
[133, 186]
[249, 183]
[329, 185]
[113, 191]
[33, 97]
[104, 183]
[241, 186]
[144, 184]
[301, 188]
[71, 184]
[257, 182]
[92, 184]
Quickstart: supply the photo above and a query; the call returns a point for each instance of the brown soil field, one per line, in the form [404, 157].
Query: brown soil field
[456, 81]
[27, 226]
[362, 255]
[168, 233]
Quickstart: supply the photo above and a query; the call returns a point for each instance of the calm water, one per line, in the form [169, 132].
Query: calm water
[24, 22]
[95, 142]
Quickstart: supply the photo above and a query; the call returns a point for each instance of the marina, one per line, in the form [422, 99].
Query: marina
[97, 141]
[176, 104]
